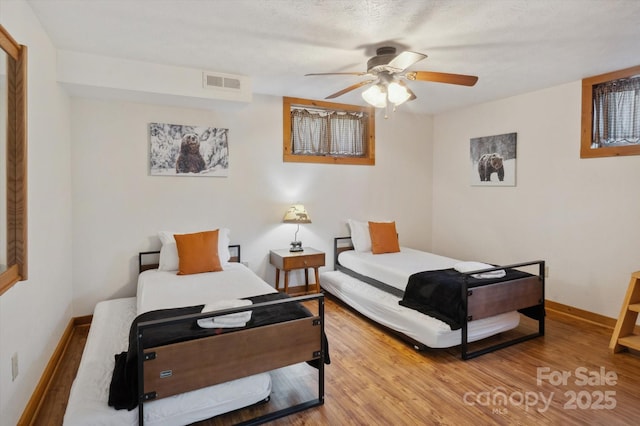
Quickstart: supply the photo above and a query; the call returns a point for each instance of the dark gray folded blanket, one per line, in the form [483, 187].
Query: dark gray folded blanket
[439, 293]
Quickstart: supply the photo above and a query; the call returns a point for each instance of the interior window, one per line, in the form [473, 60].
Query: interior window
[325, 132]
[611, 114]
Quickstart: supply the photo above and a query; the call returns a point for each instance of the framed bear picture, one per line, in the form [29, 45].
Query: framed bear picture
[493, 160]
[182, 150]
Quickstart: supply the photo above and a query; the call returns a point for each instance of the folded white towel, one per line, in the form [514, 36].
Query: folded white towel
[477, 266]
[238, 319]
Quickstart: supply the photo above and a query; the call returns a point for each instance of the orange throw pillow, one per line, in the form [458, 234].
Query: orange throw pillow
[198, 252]
[384, 238]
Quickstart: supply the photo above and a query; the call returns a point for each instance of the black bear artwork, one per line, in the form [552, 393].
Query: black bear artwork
[489, 164]
[190, 160]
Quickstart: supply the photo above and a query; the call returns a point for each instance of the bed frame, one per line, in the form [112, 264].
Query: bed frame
[483, 301]
[176, 368]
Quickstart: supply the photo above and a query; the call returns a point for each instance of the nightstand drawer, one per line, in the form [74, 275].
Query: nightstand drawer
[306, 261]
[285, 260]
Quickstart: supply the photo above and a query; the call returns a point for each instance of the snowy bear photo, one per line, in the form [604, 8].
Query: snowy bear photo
[493, 160]
[180, 150]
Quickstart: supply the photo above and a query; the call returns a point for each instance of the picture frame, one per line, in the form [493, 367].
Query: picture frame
[185, 150]
[493, 160]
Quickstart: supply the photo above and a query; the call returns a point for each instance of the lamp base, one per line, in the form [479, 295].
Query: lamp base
[296, 246]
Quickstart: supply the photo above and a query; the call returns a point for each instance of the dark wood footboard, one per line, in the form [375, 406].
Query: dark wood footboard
[480, 301]
[524, 294]
[181, 367]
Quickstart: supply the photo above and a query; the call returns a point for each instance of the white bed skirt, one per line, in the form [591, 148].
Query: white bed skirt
[109, 336]
[384, 309]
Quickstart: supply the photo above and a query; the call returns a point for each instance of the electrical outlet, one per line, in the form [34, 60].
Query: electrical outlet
[546, 271]
[14, 366]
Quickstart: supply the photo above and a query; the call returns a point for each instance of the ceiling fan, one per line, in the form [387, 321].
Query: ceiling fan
[387, 72]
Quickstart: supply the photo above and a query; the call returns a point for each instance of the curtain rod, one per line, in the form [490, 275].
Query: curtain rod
[325, 110]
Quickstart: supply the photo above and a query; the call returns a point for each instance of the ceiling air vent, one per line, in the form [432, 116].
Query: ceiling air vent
[220, 81]
[231, 87]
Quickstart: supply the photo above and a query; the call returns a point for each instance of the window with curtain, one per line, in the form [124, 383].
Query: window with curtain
[325, 132]
[611, 114]
[616, 113]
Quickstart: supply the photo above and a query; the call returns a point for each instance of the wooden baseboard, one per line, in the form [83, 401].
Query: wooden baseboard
[30, 412]
[85, 320]
[583, 315]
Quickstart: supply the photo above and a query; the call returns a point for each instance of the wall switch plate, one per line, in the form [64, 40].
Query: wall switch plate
[14, 366]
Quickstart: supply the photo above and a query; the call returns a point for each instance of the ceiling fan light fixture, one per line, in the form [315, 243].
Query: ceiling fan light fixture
[387, 71]
[397, 93]
[376, 95]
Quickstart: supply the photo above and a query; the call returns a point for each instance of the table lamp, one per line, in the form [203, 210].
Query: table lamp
[296, 214]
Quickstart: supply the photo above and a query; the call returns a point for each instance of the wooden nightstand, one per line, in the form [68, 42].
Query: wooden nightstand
[285, 260]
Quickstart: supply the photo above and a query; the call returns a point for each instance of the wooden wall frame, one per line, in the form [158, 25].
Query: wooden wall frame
[288, 156]
[16, 202]
[587, 117]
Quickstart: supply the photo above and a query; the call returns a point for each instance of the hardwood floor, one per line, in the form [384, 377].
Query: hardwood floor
[376, 379]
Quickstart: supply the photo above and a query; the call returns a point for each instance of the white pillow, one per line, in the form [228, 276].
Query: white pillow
[360, 236]
[169, 251]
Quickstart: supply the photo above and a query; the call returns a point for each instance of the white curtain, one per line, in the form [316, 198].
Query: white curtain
[616, 113]
[328, 133]
[347, 134]
[308, 133]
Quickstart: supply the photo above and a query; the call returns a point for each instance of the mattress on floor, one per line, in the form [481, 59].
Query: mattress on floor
[108, 336]
[383, 308]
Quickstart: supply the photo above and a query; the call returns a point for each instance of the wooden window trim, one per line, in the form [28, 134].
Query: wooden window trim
[16, 166]
[289, 157]
[587, 117]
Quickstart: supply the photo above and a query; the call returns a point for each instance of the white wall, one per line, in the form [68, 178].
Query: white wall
[580, 215]
[118, 208]
[34, 313]
[88, 161]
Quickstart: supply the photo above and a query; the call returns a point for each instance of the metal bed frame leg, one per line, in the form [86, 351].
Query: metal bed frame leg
[305, 405]
[140, 362]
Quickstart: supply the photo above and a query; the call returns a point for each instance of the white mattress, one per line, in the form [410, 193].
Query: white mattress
[164, 289]
[394, 269]
[108, 336]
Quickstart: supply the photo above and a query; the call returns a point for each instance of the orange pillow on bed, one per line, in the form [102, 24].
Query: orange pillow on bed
[198, 252]
[384, 238]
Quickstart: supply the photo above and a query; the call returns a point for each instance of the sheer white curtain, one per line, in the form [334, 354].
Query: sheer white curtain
[347, 134]
[328, 132]
[309, 133]
[616, 112]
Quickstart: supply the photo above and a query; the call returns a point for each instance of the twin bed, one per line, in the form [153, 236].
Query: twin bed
[188, 354]
[483, 300]
[194, 346]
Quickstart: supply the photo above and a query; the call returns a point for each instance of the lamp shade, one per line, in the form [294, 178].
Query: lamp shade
[296, 214]
[397, 93]
[376, 95]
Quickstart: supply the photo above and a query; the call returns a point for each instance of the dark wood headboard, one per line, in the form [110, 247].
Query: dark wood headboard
[144, 255]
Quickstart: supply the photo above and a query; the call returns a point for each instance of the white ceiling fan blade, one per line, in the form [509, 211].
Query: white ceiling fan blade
[405, 60]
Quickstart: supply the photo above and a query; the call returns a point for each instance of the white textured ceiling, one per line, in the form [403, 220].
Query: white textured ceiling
[513, 46]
